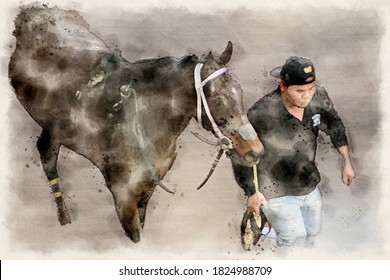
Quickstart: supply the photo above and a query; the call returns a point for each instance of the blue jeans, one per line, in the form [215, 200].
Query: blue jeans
[294, 217]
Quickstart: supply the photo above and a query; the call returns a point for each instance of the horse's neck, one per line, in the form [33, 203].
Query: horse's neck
[174, 104]
[186, 97]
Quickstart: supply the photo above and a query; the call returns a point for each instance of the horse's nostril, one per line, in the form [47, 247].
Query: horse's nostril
[252, 156]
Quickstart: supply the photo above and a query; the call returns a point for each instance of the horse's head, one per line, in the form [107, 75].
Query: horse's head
[217, 85]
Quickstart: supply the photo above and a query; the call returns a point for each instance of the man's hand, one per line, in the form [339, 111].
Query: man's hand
[255, 201]
[348, 174]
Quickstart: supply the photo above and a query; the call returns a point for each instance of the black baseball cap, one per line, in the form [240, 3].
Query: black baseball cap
[295, 71]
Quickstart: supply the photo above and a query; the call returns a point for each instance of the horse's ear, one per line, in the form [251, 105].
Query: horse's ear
[227, 54]
[210, 56]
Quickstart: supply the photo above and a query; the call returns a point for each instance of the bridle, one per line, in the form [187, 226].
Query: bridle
[225, 142]
[246, 131]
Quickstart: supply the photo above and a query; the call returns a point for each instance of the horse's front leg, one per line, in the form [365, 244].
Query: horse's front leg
[148, 187]
[131, 199]
[126, 206]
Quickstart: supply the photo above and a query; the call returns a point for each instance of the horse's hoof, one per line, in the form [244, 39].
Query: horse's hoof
[64, 219]
[134, 236]
[63, 214]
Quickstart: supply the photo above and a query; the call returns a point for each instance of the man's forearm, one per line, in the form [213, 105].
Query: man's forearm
[344, 151]
[348, 174]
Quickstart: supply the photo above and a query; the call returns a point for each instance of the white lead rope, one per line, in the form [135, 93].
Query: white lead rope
[201, 99]
[255, 178]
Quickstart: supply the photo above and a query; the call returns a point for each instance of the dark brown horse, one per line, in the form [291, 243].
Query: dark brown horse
[124, 117]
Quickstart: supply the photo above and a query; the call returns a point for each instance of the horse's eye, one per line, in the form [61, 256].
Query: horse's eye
[218, 102]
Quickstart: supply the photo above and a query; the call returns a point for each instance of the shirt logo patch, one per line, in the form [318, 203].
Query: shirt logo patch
[316, 120]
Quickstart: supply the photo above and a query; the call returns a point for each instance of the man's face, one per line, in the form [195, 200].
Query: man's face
[298, 96]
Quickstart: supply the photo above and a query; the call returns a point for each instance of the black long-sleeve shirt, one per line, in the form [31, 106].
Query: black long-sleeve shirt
[287, 166]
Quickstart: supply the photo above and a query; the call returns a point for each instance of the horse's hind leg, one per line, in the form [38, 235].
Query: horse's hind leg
[49, 150]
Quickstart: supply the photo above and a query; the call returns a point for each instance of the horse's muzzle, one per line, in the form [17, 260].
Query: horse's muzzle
[252, 157]
[249, 159]
[248, 148]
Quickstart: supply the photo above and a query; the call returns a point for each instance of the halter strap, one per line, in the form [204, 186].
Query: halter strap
[201, 99]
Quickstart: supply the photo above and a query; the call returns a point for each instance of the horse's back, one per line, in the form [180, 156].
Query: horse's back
[39, 26]
[55, 54]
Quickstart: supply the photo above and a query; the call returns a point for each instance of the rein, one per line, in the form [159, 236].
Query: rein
[127, 91]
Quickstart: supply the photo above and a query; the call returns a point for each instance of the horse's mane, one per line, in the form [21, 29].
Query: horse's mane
[188, 58]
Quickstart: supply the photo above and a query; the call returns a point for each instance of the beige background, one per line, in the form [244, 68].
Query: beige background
[349, 45]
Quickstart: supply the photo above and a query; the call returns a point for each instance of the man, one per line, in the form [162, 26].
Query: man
[287, 122]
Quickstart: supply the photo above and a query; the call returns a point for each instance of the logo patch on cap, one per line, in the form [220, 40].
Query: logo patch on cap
[308, 69]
